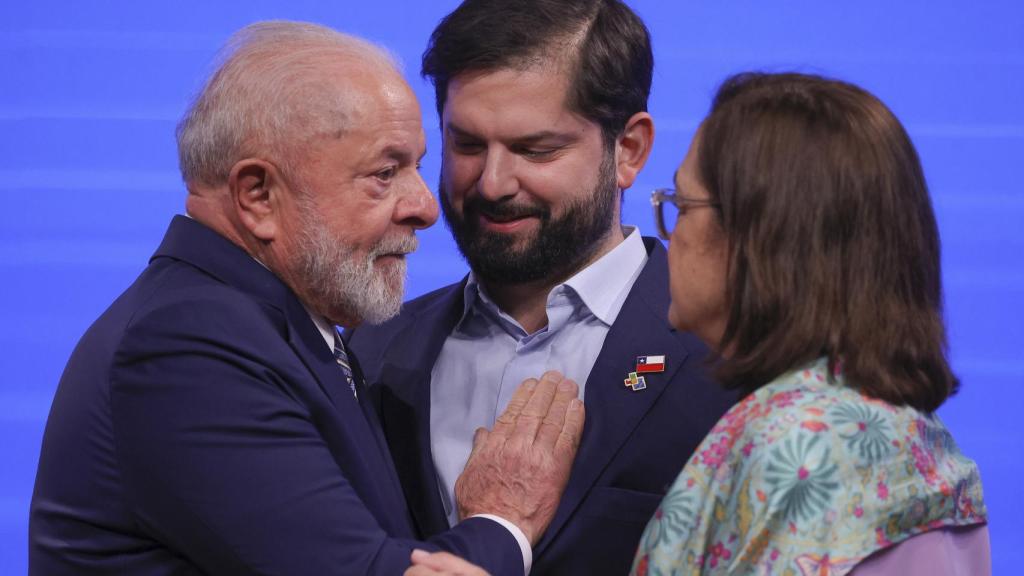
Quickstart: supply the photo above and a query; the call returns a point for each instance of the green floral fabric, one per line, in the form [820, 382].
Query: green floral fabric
[808, 476]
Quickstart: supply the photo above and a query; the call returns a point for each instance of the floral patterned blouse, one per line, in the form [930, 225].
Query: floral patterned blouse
[807, 476]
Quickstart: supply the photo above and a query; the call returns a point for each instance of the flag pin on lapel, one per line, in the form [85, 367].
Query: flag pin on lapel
[650, 364]
[644, 365]
[635, 382]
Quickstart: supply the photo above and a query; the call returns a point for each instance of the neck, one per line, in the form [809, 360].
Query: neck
[527, 302]
[212, 208]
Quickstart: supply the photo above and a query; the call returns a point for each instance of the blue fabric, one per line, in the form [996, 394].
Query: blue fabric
[202, 426]
[634, 443]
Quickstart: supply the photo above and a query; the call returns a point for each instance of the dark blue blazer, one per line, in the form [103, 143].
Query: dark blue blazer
[203, 426]
[634, 442]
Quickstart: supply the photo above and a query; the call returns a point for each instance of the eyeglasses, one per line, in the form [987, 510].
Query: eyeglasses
[668, 206]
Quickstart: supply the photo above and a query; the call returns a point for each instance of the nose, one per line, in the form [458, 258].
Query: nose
[498, 179]
[417, 207]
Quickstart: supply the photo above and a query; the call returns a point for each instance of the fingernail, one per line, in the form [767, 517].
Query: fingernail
[576, 404]
[418, 554]
[530, 384]
[566, 385]
[553, 376]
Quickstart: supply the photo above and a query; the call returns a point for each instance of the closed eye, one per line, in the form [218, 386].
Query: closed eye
[536, 153]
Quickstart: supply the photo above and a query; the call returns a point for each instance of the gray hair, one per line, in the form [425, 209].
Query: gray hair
[268, 97]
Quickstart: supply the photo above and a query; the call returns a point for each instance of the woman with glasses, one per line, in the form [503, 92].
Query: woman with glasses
[803, 250]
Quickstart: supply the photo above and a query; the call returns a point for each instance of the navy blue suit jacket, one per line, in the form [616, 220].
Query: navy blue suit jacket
[634, 442]
[203, 426]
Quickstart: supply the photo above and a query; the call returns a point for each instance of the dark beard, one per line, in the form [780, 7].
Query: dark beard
[560, 247]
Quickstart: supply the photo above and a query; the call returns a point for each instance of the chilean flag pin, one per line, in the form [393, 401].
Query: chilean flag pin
[650, 364]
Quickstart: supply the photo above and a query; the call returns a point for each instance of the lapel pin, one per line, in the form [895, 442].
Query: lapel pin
[635, 382]
[650, 364]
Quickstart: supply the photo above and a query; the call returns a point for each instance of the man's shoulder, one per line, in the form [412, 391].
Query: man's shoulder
[171, 308]
[169, 283]
[173, 297]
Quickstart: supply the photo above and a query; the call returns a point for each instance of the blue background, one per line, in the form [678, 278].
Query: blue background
[90, 93]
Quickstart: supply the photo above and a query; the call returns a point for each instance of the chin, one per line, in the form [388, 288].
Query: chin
[673, 318]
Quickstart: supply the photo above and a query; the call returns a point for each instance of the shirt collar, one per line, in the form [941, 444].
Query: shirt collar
[327, 332]
[602, 287]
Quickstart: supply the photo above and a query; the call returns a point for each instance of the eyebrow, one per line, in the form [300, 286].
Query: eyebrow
[400, 153]
[532, 138]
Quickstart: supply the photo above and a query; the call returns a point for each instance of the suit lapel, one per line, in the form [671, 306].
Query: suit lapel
[368, 408]
[614, 410]
[405, 406]
[371, 472]
[374, 478]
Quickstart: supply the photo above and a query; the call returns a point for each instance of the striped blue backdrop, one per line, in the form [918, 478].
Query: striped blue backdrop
[90, 92]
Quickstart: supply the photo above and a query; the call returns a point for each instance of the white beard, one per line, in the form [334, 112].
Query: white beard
[343, 284]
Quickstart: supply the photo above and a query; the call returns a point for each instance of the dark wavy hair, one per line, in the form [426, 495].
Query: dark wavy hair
[606, 45]
[833, 244]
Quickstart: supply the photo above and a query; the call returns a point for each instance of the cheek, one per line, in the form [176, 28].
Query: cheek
[676, 274]
[364, 230]
[721, 275]
[459, 173]
[675, 315]
[713, 293]
[680, 255]
[674, 263]
[562, 183]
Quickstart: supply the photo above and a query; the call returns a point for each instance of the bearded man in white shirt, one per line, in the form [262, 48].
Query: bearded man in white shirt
[543, 108]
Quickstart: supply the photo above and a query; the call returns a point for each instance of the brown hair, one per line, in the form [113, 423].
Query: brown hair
[607, 43]
[833, 245]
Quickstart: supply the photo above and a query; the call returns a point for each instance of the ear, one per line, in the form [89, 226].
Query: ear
[632, 148]
[257, 190]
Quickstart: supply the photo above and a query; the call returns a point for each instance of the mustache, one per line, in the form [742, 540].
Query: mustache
[504, 209]
[395, 245]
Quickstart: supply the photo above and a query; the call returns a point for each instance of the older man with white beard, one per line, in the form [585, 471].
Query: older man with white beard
[211, 421]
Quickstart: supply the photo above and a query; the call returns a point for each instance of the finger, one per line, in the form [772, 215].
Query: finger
[479, 439]
[554, 421]
[506, 421]
[419, 555]
[420, 570]
[572, 430]
[479, 442]
[437, 560]
[448, 563]
[536, 408]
